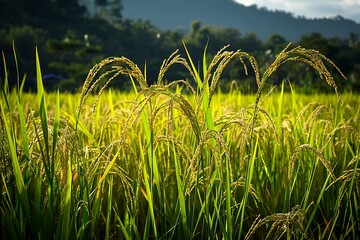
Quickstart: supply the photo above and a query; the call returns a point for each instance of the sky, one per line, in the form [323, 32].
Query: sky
[312, 8]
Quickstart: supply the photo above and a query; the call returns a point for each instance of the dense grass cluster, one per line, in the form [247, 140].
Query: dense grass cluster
[174, 161]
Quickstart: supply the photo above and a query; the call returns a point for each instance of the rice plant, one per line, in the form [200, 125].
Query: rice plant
[176, 160]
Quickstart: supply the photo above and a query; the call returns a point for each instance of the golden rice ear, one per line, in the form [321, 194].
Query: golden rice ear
[107, 158]
[107, 70]
[345, 129]
[309, 56]
[298, 54]
[281, 223]
[296, 153]
[173, 59]
[221, 60]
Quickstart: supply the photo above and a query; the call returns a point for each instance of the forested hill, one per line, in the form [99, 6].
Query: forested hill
[175, 14]
[72, 36]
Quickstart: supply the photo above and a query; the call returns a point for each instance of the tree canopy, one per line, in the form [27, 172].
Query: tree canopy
[71, 40]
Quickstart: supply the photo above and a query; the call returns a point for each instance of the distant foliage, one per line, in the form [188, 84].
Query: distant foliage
[70, 39]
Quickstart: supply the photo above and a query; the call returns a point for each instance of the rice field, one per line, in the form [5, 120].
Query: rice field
[177, 161]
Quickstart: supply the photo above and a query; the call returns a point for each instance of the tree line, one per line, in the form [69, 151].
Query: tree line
[71, 39]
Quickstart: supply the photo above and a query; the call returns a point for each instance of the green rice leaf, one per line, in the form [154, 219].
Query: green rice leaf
[109, 209]
[16, 167]
[198, 79]
[65, 225]
[42, 106]
[181, 197]
[56, 129]
[24, 138]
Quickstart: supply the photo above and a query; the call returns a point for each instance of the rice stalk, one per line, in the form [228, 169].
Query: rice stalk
[249, 175]
[173, 59]
[344, 130]
[349, 179]
[282, 223]
[165, 167]
[241, 183]
[19, 180]
[65, 233]
[298, 54]
[350, 175]
[118, 66]
[297, 152]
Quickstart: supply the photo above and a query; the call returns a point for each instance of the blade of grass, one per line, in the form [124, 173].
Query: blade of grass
[10, 220]
[16, 167]
[17, 69]
[228, 200]
[123, 228]
[44, 123]
[317, 203]
[205, 68]
[107, 170]
[198, 79]
[24, 138]
[22, 85]
[55, 131]
[109, 207]
[65, 225]
[96, 210]
[181, 197]
[39, 83]
[149, 194]
[250, 170]
[5, 85]
[42, 105]
[38, 215]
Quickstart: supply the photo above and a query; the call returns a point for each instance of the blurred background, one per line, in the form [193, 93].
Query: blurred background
[73, 35]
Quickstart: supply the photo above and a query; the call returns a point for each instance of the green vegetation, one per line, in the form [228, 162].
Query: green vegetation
[176, 160]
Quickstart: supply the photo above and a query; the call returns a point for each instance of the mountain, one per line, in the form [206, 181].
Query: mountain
[178, 15]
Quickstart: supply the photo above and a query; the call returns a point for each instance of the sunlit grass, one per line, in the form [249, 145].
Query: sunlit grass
[173, 161]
